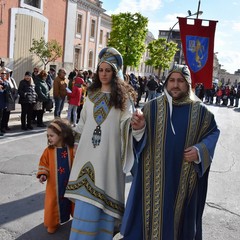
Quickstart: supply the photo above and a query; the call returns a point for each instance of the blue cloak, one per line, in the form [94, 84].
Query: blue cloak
[167, 196]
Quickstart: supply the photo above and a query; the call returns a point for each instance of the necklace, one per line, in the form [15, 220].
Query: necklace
[101, 110]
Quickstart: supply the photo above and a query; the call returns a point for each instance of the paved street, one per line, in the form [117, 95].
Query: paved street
[21, 198]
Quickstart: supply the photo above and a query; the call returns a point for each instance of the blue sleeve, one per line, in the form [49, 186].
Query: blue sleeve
[206, 150]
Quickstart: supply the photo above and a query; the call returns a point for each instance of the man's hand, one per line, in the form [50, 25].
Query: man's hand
[138, 120]
[190, 154]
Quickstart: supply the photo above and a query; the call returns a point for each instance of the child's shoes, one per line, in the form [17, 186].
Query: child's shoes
[52, 229]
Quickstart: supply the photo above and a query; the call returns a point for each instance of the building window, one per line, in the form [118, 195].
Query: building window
[90, 59]
[77, 62]
[79, 24]
[93, 25]
[163, 33]
[35, 5]
[101, 37]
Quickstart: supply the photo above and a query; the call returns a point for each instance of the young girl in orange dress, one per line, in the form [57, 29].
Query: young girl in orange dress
[54, 167]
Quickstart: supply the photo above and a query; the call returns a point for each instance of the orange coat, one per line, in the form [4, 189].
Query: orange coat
[56, 163]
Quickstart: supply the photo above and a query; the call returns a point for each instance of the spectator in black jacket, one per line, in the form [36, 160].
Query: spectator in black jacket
[237, 96]
[50, 77]
[11, 96]
[152, 86]
[42, 91]
[27, 99]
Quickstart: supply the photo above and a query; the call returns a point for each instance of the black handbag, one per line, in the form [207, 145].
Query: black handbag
[49, 105]
[9, 96]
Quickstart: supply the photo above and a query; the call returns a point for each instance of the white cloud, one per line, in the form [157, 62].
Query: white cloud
[229, 59]
[236, 3]
[138, 6]
[145, 7]
[150, 5]
[227, 44]
[169, 21]
[236, 26]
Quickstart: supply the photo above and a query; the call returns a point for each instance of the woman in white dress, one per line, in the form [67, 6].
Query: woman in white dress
[104, 152]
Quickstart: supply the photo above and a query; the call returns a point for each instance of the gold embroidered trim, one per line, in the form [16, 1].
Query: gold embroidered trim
[188, 175]
[153, 209]
[86, 178]
[102, 105]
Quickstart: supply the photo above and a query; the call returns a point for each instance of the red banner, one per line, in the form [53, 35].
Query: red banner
[198, 48]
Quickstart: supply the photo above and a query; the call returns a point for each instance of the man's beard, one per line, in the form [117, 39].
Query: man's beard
[180, 96]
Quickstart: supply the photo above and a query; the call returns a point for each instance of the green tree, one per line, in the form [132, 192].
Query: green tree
[161, 54]
[128, 36]
[46, 51]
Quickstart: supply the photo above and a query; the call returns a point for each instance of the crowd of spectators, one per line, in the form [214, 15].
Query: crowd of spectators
[223, 95]
[34, 92]
[39, 86]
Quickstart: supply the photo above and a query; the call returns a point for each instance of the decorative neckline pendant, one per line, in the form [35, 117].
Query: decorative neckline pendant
[96, 138]
[101, 110]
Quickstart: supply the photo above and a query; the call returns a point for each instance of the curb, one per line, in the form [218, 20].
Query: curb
[17, 115]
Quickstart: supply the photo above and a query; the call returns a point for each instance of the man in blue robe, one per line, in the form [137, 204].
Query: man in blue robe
[174, 143]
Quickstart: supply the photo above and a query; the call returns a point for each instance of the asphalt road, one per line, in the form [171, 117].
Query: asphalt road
[22, 196]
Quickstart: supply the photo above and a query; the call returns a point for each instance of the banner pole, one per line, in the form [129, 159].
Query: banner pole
[199, 3]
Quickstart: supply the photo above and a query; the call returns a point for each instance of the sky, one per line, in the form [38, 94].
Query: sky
[162, 15]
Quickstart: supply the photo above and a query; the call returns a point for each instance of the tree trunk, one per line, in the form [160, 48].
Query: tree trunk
[159, 71]
[124, 69]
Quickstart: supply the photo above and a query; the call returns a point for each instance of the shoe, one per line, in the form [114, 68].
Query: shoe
[30, 127]
[3, 130]
[24, 128]
[52, 229]
[41, 125]
[1, 134]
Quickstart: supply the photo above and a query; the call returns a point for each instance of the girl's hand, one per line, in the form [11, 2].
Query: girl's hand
[42, 178]
[138, 120]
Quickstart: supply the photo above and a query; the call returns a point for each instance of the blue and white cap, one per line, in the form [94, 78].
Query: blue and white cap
[114, 58]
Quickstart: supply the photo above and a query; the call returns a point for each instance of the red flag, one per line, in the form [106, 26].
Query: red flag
[198, 48]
